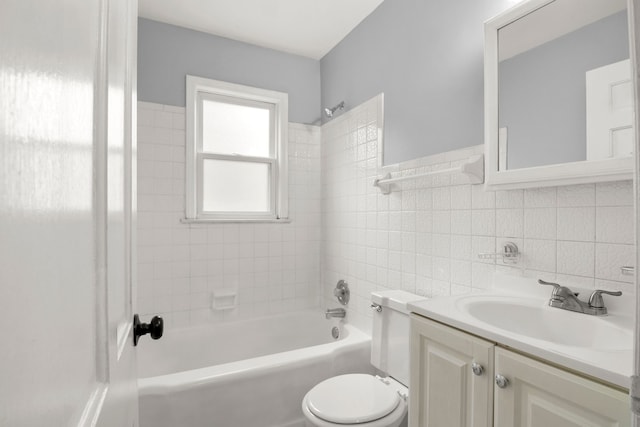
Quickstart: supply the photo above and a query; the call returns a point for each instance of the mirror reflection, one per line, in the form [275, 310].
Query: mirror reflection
[564, 85]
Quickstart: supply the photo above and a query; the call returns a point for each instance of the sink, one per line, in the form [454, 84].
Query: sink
[514, 312]
[533, 318]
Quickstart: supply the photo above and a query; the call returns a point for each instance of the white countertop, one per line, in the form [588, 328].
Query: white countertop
[613, 365]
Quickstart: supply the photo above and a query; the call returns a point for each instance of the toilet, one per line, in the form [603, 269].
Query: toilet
[365, 400]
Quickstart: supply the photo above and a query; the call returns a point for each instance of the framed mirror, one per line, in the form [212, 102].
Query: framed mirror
[558, 94]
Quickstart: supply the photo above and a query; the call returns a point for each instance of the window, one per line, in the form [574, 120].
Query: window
[236, 152]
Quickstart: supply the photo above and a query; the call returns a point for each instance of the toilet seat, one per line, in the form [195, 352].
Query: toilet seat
[355, 399]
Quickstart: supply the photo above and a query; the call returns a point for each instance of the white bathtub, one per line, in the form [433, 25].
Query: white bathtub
[244, 374]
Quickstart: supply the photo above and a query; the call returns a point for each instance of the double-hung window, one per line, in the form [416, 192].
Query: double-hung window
[236, 152]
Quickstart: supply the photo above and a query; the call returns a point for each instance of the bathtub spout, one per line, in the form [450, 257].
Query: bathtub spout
[335, 312]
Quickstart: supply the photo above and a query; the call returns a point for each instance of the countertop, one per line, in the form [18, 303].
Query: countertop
[613, 366]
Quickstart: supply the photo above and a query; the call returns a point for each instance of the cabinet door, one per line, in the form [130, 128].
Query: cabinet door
[539, 395]
[444, 390]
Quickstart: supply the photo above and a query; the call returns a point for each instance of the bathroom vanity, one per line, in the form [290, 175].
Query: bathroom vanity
[503, 358]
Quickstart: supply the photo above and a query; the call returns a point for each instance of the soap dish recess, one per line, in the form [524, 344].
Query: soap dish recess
[224, 299]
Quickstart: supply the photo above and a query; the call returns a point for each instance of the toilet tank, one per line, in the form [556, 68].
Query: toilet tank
[390, 335]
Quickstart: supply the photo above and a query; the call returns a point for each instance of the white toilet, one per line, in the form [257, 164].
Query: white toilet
[366, 400]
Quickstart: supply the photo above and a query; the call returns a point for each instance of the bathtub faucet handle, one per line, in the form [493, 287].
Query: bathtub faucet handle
[342, 292]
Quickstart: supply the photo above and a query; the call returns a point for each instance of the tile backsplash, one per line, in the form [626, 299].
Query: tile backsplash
[425, 237]
[271, 267]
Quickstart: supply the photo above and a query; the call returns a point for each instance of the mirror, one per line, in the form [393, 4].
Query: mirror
[558, 94]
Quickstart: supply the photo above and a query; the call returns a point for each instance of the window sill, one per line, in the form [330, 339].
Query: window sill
[234, 220]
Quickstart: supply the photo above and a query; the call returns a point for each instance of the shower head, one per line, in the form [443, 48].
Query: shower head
[331, 111]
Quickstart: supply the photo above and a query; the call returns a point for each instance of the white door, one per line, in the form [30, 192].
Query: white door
[66, 212]
[610, 111]
[634, 37]
[120, 407]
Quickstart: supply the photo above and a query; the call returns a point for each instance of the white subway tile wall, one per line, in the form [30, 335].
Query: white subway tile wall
[425, 237]
[271, 268]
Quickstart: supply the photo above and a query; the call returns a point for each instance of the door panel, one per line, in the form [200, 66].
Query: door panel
[446, 383]
[120, 406]
[47, 275]
[539, 395]
[446, 392]
[610, 111]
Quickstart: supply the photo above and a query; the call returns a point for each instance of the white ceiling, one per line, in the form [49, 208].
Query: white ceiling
[309, 28]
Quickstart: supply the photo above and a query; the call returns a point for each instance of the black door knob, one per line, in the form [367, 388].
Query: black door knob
[154, 328]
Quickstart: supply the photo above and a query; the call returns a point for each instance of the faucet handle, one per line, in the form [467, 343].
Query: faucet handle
[555, 285]
[559, 290]
[543, 282]
[596, 301]
[342, 292]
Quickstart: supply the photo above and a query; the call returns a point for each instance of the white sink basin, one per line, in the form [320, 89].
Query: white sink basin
[535, 319]
[514, 312]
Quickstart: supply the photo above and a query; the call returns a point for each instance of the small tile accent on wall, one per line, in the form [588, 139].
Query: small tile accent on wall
[425, 236]
[272, 268]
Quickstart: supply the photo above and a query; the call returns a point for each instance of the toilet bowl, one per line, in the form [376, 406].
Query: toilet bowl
[366, 400]
[356, 400]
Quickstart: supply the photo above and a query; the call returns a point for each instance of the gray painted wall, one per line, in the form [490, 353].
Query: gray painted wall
[427, 58]
[167, 53]
[543, 95]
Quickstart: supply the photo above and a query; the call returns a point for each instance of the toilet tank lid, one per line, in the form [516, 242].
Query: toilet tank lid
[396, 300]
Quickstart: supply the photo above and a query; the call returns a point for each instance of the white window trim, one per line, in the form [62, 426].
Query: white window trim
[279, 176]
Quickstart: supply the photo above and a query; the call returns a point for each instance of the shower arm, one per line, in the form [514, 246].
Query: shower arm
[331, 111]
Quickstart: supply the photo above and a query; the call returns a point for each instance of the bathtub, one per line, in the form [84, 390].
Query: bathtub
[244, 374]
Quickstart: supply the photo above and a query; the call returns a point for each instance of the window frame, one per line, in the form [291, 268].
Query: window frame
[200, 89]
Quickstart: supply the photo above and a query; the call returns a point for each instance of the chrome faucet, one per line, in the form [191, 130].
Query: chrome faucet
[564, 298]
[335, 312]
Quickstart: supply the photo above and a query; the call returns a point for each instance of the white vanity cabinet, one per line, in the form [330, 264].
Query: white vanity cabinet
[449, 389]
[445, 391]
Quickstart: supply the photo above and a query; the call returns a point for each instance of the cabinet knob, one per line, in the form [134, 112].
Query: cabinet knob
[501, 381]
[477, 369]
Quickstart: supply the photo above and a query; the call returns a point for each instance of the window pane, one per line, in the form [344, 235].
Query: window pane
[230, 186]
[239, 129]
